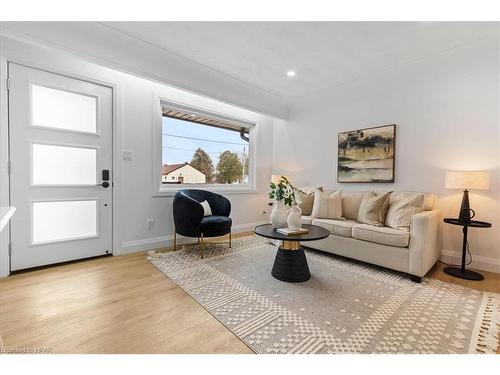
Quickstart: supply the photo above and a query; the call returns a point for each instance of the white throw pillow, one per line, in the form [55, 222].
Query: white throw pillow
[373, 208]
[327, 205]
[304, 201]
[310, 189]
[206, 208]
[401, 210]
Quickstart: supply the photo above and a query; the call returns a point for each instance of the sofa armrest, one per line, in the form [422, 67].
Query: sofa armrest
[425, 241]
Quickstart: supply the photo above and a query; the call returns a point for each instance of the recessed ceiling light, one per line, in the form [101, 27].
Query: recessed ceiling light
[193, 115]
[291, 73]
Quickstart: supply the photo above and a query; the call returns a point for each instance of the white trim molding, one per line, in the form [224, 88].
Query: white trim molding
[134, 246]
[478, 262]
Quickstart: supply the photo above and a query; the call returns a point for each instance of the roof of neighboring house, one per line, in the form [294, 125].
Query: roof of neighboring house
[169, 168]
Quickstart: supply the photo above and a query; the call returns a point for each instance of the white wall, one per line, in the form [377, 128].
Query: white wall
[134, 200]
[446, 111]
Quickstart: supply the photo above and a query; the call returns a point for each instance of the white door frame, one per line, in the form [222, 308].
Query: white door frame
[27, 58]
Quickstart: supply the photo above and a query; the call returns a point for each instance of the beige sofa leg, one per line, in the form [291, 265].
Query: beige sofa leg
[230, 240]
[202, 247]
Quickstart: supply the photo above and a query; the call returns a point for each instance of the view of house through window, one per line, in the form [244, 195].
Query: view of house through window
[199, 150]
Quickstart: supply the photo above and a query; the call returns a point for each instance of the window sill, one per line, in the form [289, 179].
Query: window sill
[170, 192]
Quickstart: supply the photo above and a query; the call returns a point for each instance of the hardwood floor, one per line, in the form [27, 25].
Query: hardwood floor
[121, 305]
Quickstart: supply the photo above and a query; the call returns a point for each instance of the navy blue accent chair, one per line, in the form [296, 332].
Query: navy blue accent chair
[190, 222]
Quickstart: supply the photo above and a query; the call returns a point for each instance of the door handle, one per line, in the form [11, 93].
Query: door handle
[105, 178]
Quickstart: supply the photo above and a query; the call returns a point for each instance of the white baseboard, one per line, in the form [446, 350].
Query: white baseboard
[478, 262]
[163, 241]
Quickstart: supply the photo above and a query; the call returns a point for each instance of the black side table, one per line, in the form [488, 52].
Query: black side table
[461, 271]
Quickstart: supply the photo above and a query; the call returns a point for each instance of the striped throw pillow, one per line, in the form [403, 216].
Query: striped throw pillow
[402, 209]
[327, 205]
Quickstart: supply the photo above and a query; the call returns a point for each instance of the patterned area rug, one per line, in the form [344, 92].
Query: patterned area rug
[346, 306]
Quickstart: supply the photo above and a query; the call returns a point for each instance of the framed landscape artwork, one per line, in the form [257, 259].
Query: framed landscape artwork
[367, 155]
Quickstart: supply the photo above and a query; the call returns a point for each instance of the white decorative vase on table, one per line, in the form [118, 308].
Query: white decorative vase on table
[279, 215]
[294, 219]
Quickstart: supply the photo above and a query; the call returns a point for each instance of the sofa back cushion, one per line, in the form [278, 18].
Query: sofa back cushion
[351, 200]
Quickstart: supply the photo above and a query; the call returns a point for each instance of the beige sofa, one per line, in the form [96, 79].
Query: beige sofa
[413, 252]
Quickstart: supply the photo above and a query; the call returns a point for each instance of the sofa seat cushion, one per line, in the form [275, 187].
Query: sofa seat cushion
[342, 228]
[382, 235]
[307, 219]
[213, 225]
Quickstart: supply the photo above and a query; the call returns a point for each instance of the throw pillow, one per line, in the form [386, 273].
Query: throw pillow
[373, 208]
[401, 210]
[305, 201]
[327, 205]
[206, 208]
[310, 189]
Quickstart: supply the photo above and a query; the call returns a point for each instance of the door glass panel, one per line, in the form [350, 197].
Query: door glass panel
[59, 221]
[63, 165]
[63, 110]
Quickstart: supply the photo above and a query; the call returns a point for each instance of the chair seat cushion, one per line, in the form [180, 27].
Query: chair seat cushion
[342, 228]
[214, 225]
[382, 235]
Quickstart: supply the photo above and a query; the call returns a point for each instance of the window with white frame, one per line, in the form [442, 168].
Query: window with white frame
[200, 148]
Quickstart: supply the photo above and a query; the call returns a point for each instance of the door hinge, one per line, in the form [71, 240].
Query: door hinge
[9, 167]
[7, 83]
[10, 249]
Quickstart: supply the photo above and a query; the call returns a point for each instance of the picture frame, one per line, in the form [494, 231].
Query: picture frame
[367, 155]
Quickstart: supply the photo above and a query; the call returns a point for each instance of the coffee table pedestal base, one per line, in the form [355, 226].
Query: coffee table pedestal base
[291, 266]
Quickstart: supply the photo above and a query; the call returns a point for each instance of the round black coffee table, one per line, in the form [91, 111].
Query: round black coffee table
[290, 264]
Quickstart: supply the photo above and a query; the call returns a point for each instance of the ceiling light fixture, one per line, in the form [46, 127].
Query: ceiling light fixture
[291, 73]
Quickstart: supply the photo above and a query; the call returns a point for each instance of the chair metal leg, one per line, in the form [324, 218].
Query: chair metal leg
[175, 240]
[202, 247]
[230, 240]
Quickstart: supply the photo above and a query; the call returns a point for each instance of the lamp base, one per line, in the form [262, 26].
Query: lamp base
[465, 274]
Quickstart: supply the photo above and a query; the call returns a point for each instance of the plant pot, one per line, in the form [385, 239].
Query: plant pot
[294, 219]
[279, 215]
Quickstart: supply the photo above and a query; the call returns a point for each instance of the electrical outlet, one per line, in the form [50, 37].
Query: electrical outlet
[151, 224]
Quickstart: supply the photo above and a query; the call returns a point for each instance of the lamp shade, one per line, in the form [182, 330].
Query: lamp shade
[478, 180]
[275, 178]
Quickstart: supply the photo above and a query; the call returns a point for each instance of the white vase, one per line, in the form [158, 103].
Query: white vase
[279, 215]
[294, 219]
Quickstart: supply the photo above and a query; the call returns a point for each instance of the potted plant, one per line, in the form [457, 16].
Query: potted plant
[282, 192]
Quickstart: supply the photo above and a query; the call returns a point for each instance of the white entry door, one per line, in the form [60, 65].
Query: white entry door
[61, 158]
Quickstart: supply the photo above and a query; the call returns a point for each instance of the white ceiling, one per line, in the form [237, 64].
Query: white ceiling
[322, 53]
[250, 59]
